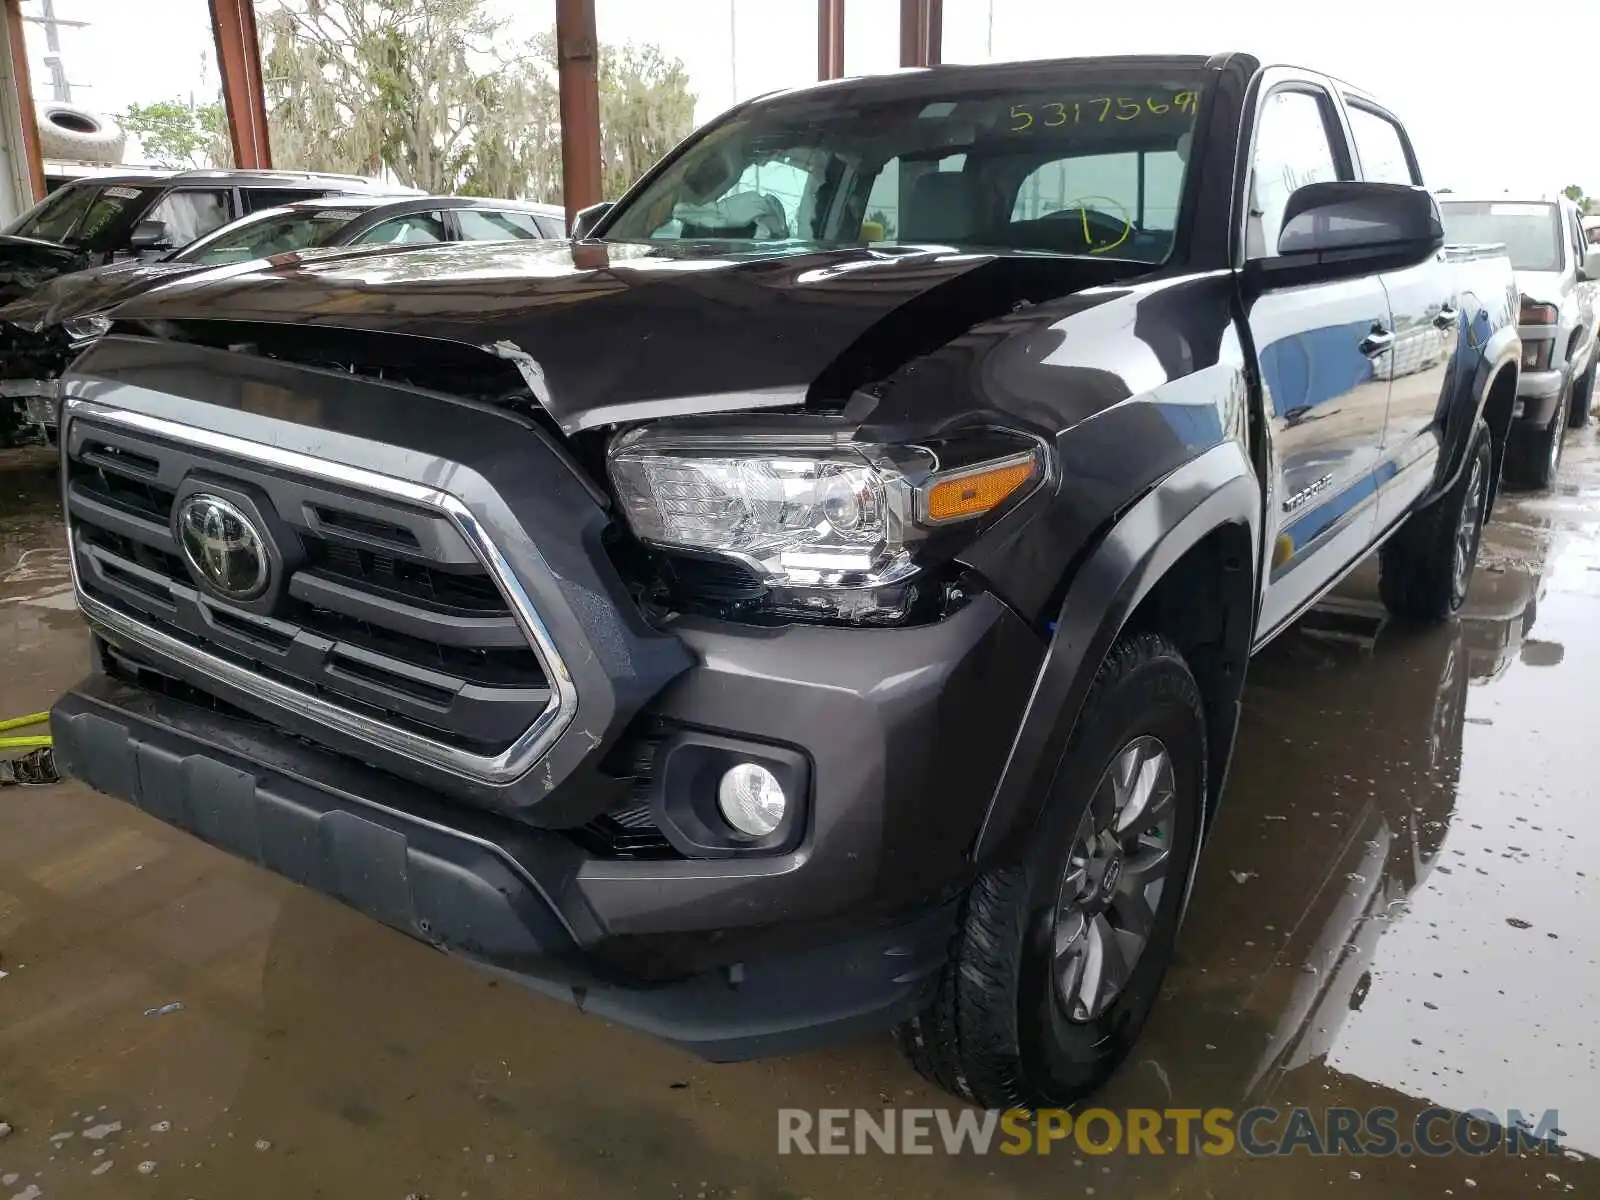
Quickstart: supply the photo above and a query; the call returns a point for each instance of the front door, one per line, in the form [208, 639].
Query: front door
[1325, 351]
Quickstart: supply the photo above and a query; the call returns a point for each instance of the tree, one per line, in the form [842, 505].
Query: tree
[1574, 193]
[434, 91]
[176, 134]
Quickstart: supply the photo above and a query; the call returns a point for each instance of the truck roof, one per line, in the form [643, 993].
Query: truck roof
[144, 177]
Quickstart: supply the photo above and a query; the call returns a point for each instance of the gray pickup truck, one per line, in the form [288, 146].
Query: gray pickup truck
[818, 597]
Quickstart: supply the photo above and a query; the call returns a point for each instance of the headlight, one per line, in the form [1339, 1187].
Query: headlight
[87, 328]
[823, 520]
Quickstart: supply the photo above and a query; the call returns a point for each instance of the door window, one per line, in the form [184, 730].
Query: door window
[191, 214]
[481, 225]
[403, 231]
[1381, 147]
[255, 199]
[1292, 149]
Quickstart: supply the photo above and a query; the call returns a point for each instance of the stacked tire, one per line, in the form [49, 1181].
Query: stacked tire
[74, 134]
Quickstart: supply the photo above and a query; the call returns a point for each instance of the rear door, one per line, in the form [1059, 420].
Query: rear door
[1324, 351]
[1427, 325]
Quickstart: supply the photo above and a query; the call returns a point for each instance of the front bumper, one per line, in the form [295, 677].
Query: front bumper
[1537, 395]
[522, 902]
[904, 733]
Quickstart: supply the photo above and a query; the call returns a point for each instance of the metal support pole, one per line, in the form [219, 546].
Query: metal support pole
[26, 116]
[577, 68]
[830, 39]
[239, 60]
[921, 33]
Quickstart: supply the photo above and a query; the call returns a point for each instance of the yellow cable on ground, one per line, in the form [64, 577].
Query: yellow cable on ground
[26, 741]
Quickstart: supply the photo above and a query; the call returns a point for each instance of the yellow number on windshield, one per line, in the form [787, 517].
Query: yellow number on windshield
[1155, 105]
[1061, 113]
[1124, 105]
[1018, 112]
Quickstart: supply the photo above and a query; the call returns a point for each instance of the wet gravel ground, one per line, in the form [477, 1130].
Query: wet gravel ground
[1397, 908]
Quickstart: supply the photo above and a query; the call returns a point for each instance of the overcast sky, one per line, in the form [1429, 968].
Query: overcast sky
[1484, 112]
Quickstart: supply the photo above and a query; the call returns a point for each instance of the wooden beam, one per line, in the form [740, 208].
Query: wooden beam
[921, 33]
[233, 23]
[27, 116]
[577, 70]
[830, 39]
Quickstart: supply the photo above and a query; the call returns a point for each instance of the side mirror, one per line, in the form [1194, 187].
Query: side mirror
[1341, 230]
[149, 236]
[588, 218]
[1590, 267]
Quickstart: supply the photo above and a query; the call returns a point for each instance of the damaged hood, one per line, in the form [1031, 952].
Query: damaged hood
[67, 296]
[603, 332]
[25, 263]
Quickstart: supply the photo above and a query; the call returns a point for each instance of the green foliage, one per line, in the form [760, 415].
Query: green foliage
[436, 92]
[1573, 192]
[176, 134]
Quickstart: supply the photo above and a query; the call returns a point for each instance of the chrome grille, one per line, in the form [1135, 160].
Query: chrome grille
[398, 621]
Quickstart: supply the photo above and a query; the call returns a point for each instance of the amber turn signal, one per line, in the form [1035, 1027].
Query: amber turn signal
[972, 493]
[1538, 314]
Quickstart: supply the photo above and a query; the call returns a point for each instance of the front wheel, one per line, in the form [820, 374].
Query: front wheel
[1426, 567]
[1533, 456]
[1583, 397]
[1059, 958]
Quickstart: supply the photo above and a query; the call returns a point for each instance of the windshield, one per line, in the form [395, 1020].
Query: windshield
[278, 231]
[87, 215]
[1082, 170]
[1531, 232]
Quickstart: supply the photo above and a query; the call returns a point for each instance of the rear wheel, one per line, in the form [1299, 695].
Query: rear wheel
[1426, 567]
[1059, 959]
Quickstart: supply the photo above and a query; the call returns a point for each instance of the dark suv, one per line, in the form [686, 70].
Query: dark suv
[141, 215]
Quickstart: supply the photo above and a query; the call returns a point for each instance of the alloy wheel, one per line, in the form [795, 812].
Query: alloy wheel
[1469, 527]
[1115, 875]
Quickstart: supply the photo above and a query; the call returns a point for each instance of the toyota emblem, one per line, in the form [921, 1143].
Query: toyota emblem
[222, 547]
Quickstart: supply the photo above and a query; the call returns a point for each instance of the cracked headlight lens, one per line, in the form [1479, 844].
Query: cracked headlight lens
[87, 328]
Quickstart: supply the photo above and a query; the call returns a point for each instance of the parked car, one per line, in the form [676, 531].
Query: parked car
[751, 632]
[100, 219]
[42, 332]
[1556, 273]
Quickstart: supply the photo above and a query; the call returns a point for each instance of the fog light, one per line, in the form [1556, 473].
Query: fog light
[751, 799]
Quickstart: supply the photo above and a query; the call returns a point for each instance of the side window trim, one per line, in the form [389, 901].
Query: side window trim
[1333, 124]
[1360, 104]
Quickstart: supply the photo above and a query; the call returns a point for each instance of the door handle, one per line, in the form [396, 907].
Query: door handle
[1376, 342]
[1445, 318]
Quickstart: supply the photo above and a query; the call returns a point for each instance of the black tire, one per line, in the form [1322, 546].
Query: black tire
[1582, 398]
[997, 1033]
[1420, 576]
[1533, 456]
